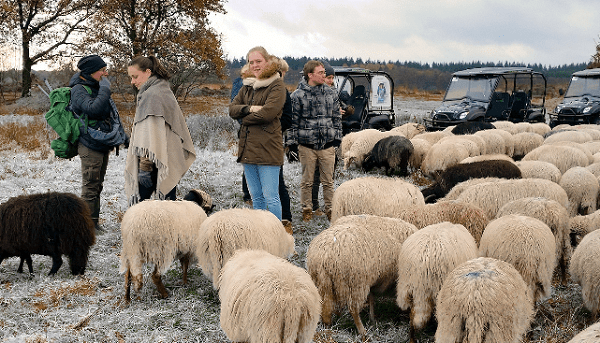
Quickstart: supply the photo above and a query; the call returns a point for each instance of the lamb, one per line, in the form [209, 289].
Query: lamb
[526, 243]
[467, 215]
[265, 298]
[232, 229]
[582, 188]
[483, 300]
[158, 232]
[580, 226]
[525, 142]
[51, 224]
[373, 195]
[585, 270]
[420, 149]
[426, 258]
[491, 196]
[442, 156]
[539, 170]
[589, 335]
[409, 130]
[470, 127]
[356, 254]
[392, 153]
[445, 180]
[552, 214]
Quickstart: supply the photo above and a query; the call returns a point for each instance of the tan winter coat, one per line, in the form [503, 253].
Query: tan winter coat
[260, 133]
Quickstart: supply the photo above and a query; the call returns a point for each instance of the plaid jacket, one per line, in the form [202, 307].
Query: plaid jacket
[316, 118]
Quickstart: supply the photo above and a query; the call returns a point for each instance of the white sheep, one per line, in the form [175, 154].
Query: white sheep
[506, 126]
[374, 195]
[571, 136]
[528, 244]
[158, 232]
[472, 147]
[455, 192]
[539, 170]
[521, 127]
[593, 146]
[552, 214]
[348, 140]
[563, 157]
[580, 226]
[540, 128]
[585, 271]
[525, 142]
[426, 258]
[228, 230]
[442, 156]
[433, 136]
[582, 188]
[487, 157]
[421, 148]
[490, 196]
[477, 140]
[494, 141]
[356, 254]
[409, 130]
[576, 145]
[483, 300]
[589, 335]
[265, 298]
[508, 141]
[594, 168]
[467, 215]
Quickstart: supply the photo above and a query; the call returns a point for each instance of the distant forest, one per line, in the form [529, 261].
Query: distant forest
[416, 75]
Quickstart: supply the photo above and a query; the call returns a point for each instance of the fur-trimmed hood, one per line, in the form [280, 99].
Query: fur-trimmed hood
[269, 74]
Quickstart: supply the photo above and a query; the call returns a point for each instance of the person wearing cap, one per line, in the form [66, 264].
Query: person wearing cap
[96, 106]
[316, 130]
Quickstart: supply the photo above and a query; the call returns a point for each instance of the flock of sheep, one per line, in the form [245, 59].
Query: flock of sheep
[509, 205]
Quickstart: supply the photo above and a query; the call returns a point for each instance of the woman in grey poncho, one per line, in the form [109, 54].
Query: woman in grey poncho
[161, 148]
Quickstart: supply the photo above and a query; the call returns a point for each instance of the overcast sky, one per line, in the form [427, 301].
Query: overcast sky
[550, 32]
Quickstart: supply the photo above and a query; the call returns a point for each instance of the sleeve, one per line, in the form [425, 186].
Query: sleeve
[96, 108]
[286, 116]
[296, 111]
[270, 109]
[238, 109]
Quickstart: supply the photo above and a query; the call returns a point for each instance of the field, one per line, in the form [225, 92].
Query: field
[62, 308]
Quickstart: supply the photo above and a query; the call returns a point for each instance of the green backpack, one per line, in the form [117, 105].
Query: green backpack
[64, 122]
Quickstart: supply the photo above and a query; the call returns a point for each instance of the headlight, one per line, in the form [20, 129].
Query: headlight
[558, 109]
[587, 109]
[463, 115]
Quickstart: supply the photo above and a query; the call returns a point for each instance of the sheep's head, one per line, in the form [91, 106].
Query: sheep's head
[202, 198]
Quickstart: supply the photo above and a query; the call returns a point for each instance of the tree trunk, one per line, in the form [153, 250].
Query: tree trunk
[26, 74]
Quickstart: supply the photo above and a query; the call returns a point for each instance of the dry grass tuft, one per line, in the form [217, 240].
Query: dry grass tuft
[54, 296]
[414, 93]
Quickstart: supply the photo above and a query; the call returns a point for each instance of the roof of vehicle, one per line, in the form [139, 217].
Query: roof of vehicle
[495, 71]
[587, 72]
[354, 70]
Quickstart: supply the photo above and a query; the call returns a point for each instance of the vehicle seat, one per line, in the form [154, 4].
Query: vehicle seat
[358, 99]
[499, 105]
[519, 105]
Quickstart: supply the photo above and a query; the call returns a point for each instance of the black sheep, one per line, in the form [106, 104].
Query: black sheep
[51, 224]
[470, 127]
[392, 153]
[465, 171]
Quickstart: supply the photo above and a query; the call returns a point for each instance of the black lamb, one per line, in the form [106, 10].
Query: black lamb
[51, 224]
[392, 153]
[470, 127]
[455, 174]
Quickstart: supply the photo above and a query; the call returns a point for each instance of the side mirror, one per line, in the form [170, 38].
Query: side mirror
[561, 92]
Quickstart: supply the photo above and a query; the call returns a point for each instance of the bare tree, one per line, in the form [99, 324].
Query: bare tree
[595, 63]
[175, 31]
[44, 29]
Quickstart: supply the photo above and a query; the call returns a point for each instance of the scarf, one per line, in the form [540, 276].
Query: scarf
[161, 135]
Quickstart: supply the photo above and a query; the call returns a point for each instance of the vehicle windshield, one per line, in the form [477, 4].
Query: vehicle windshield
[479, 89]
[581, 86]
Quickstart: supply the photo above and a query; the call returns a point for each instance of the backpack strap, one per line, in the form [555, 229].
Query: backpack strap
[84, 123]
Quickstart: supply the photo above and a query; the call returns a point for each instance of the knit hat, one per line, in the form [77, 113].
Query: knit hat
[90, 64]
[328, 69]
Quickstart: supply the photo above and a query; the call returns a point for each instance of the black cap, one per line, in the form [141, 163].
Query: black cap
[328, 68]
[91, 64]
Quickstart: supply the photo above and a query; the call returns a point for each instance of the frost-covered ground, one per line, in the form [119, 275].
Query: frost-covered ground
[64, 308]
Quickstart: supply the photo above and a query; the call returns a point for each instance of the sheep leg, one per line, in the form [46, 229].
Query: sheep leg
[128, 285]
[327, 309]
[355, 312]
[26, 258]
[371, 300]
[158, 282]
[56, 263]
[185, 262]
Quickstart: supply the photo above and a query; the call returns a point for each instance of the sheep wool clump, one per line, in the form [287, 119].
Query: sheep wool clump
[580, 226]
[374, 195]
[158, 232]
[585, 270]
[526, 243]
[539, 170]
[552, 214]
[589, 335]
[563, 157]
[582, 189]
[352, 257]
[426, 258]
[228, 230]
[265, 298]
[483, 300]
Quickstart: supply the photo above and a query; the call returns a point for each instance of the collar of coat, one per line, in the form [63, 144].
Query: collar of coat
[266, 77]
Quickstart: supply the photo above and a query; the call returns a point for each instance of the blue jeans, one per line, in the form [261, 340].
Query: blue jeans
[263, 184]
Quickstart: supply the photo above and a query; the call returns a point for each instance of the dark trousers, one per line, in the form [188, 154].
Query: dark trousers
[93, 170]
[146, 192]
[284, 195]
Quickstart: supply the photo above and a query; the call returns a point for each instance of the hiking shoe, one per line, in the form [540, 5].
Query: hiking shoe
[318, 212]
[307, 214]
[287, 224]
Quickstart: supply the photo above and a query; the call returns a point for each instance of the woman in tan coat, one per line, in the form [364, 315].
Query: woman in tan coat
[259, 105]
